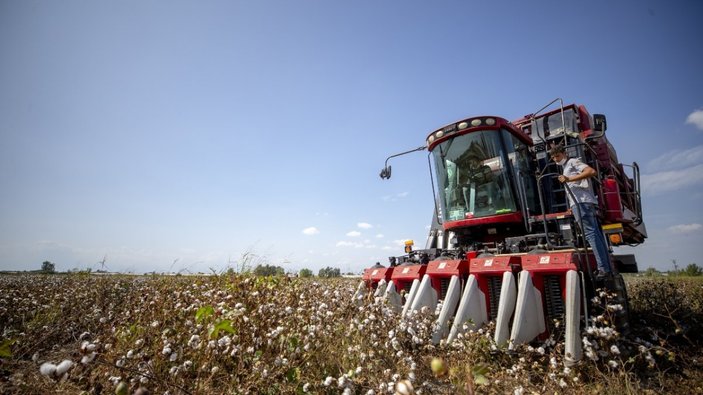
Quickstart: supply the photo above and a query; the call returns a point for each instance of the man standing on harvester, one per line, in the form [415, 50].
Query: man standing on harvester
[583, 205]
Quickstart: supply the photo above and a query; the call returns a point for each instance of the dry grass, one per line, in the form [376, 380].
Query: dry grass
[239, 334]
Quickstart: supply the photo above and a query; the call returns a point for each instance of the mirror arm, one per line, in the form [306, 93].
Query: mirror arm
[386, 171]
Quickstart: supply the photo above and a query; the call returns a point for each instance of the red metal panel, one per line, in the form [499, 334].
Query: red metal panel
[403, 276]
[487, 268]
[613, 206]
[448, 268]
[444, 270]
[495, 264]
[372, 276]
[553, 262]
[493, 219]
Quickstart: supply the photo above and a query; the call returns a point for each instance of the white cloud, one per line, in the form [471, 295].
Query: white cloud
[349, 244]
[667, 181]
[696, 118]
[394, 198]
[677, 159]
[685, 228]
[379, 236]
[354, 233]
[364, 225]
[310, 231]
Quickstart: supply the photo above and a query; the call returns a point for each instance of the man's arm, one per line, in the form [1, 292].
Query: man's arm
[586, 172]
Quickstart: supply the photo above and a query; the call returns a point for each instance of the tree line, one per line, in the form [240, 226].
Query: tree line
[259, 270]
[273, 270]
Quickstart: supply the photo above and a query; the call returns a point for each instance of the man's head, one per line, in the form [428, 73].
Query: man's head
[558, 154]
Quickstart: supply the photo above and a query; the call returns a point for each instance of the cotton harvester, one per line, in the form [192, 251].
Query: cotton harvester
[503, 244]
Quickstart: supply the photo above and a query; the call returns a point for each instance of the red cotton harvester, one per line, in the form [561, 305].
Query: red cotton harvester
[503, 244]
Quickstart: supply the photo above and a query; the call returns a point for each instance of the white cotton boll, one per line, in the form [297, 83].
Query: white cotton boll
[47, 369]
[63, 367]
[88, 358]
[83, 335]
[404, 387]
[391, 387]
[173, 357]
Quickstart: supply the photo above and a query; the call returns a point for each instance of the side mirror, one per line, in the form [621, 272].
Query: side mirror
[599, 123]
[386, 173]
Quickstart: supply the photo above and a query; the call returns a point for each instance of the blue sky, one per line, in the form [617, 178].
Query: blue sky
[194, 132]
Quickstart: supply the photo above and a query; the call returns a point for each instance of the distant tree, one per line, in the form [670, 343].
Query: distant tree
[305, 273]
[269, 270]
[329, 272]
[651, 272]
[693, 270]
[48, 267]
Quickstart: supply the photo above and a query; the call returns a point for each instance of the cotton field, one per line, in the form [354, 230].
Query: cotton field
[242, 334]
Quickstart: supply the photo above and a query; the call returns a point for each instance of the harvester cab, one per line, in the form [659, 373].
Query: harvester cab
[503, 244]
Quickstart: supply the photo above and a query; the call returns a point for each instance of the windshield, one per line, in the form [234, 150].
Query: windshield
[472, 176]
[552, 126]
